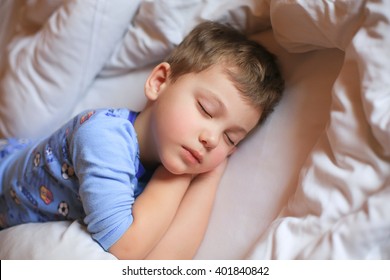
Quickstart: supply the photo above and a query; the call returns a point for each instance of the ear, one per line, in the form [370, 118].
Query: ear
[157, 80]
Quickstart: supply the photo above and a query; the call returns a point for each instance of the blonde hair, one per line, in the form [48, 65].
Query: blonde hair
[252, 68]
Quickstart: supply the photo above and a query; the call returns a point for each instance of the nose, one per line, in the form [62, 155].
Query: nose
[209, 139]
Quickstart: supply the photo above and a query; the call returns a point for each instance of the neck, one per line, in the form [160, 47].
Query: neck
[148, 154]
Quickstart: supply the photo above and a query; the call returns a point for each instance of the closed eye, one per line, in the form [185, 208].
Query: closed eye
[204, 111]
[230, 141]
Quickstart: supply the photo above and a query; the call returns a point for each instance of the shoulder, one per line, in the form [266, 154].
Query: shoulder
[108, 114]
[102, 128]
[102, 120]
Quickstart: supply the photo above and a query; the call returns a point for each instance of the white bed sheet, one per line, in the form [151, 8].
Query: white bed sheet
[311, 183]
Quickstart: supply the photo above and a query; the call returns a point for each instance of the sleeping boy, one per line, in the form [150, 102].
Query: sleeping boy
[144, 182]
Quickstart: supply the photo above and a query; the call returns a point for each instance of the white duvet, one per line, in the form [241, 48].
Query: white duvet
[312, 183]
[341, 207]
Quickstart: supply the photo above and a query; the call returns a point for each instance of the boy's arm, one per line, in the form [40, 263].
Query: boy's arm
[186, 232]
[153, 212]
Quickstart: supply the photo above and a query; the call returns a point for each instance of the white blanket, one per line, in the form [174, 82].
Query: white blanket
[311, 183]
[341, 207]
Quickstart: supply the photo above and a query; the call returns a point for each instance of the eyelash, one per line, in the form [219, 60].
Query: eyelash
[204, 110]
[231, 142]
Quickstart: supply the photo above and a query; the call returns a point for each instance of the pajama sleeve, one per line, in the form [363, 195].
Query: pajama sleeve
[105, 156]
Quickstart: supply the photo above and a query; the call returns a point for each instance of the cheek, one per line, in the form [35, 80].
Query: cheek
[177, 126]
[183, 119]
[170, 116]
[218, 156]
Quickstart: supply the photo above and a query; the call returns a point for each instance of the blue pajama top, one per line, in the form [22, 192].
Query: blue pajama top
[88, 170]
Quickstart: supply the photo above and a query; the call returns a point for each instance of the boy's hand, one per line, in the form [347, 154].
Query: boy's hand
[220, 168]
[217, 171]
[187, 229]
[153, 212]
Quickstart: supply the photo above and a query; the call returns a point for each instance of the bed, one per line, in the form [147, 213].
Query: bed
[313, 182]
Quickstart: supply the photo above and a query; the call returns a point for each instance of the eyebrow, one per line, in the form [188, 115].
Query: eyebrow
[221, 106]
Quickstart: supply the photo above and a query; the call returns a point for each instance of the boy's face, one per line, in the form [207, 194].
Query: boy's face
[198, 120]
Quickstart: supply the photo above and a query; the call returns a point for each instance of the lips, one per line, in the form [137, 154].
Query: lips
[195, 154]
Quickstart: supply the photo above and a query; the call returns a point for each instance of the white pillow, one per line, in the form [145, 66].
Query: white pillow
[302, 26]
[52, 240]
[75, 42]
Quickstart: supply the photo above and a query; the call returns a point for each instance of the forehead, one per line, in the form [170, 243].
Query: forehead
[216, 84]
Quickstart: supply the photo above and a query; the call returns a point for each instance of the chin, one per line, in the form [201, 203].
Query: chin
[174, 167]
